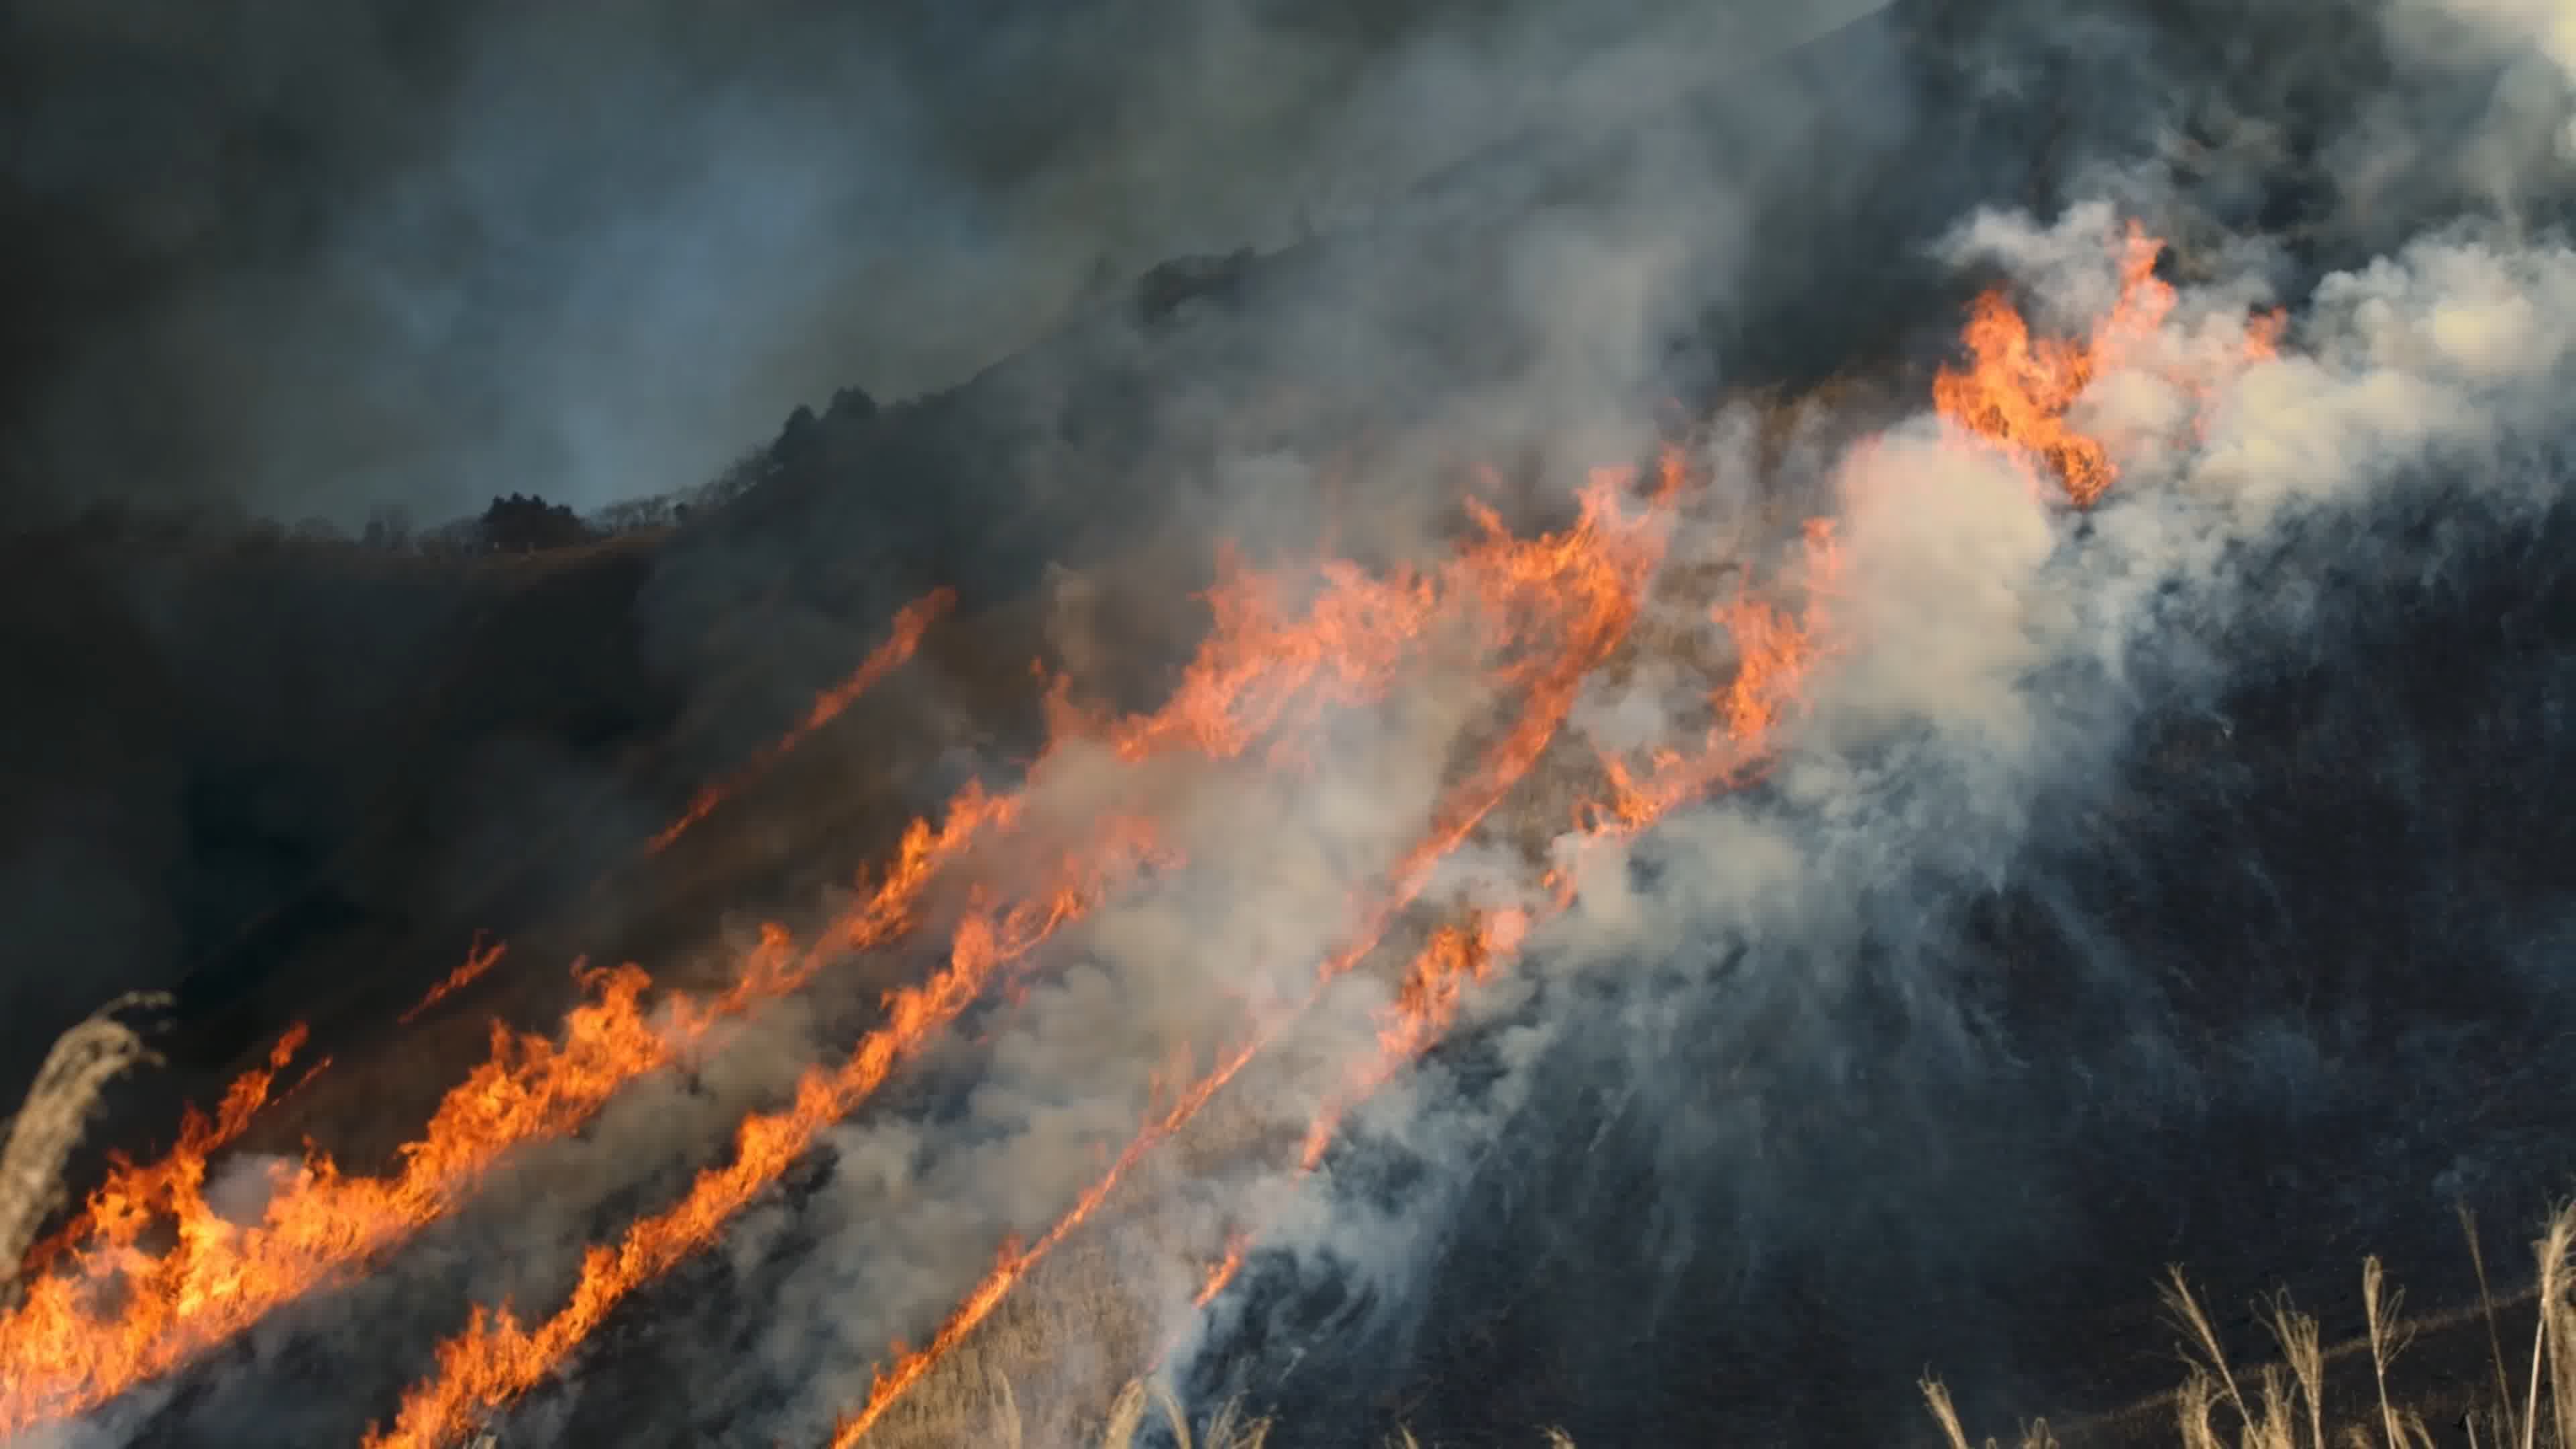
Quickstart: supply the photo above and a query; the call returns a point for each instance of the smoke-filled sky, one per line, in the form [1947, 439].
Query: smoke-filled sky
[313, 262]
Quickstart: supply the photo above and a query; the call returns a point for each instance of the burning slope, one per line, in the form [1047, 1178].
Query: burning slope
[2016, 398]
[137, 1196]
[1551, 607]
[1556, 612]
[1286, 653]
[125, 1313]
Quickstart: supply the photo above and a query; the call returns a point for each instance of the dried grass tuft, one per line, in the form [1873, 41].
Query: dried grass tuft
[53, 1119]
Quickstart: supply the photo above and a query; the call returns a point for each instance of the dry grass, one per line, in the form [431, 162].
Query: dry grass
[51, 1122]
[2293, 1402]
[2289, 1403]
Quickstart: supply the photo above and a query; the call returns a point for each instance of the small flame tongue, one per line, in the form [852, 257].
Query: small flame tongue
[2016, 389]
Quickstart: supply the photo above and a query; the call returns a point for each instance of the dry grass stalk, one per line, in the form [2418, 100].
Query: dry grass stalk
[1937, 1395]
[2495, 1337]
[2553, 1337]
[2303, 1350]
[2388, 1336]
[2211, 1365]
[55, 1116]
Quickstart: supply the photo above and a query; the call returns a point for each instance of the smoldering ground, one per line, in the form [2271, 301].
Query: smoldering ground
[2119, 848]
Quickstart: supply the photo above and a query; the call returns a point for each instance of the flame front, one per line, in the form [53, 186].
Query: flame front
[1260, 676]
[2016, 396]
[1286, 651]
[123, 1314]
[1553, 610]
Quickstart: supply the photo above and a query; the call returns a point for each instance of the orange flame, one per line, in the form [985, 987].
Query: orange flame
[1555, 608]
[477, 961]
[2017, 389]
[1256, 674]
[911, 1365]
[909, 626]
[1774, 656]
[68, 1346]
[495, 1359]
[122, 1207]
[1435, 987]
[1236, 1245]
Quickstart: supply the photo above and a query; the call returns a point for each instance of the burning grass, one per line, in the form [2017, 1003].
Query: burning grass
[1529, 623]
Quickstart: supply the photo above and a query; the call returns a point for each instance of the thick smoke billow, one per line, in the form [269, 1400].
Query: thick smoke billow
[412, 258]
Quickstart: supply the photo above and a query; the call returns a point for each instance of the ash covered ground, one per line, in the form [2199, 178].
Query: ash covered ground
[2066, 883]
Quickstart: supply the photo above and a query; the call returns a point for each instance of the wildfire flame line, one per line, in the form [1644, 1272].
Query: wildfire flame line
[910, 625]
[2015, 396]
[1774, 655]
[1258, 673]
[2013, 386]
[67, 1347]
[64, 1355]
[495, 1359]
[1594, 577]
[1275, 663]
[133, 1192]
[121, 1206]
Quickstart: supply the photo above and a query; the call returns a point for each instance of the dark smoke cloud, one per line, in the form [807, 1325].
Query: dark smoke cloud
[415, 255]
